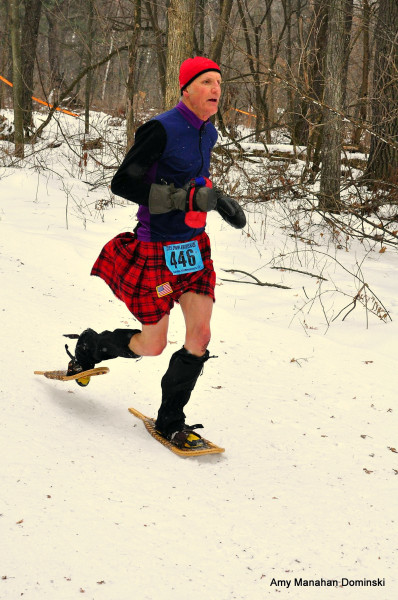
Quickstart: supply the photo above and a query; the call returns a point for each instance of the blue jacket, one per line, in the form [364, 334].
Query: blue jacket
[173, 147]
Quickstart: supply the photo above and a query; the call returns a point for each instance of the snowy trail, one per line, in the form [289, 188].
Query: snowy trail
[90, 504]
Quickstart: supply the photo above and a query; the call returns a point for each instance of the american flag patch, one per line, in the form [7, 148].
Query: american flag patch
[164, 289]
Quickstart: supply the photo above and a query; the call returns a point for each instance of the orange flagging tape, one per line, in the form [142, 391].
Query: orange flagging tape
[67, 112]
[244, 112]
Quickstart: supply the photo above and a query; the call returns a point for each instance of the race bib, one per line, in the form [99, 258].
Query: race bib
[183, 258]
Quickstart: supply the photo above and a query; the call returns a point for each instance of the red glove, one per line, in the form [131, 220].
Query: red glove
[195, 218]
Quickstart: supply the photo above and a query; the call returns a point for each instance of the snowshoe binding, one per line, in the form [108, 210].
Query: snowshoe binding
[186, 447]
[187, 437]
[74, 368]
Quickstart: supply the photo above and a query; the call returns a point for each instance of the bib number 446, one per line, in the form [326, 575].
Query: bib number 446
[183, 258]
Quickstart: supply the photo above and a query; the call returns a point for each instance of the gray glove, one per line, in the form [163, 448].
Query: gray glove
[165, 198]
[230, 210]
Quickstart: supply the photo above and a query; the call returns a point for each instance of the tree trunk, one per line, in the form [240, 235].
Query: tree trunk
[131, 87]
[287, 7]
[269, 96]
[107, 68]
[200, 19]
[312, 76]
[383, 156]
[4, 56]
[348, 9]
[160, 46]
[260, 105]
[218, 40]
[30, 31]
[54, 56]
[17, 77]
[362, 110]
[181, 15]
[89, 76]
[333, 98]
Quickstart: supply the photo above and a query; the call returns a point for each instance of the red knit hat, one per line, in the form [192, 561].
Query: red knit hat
[193, 67]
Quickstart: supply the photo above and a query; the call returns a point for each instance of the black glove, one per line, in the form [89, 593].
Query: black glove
[197, 195]
[230, 210]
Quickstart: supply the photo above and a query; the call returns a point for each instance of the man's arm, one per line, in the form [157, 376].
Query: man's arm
[128, 181]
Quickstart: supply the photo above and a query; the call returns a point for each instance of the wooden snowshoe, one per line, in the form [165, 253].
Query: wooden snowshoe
[81, 378]
[208, 448]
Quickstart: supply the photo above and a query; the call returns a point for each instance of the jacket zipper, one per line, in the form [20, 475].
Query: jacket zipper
[201, 130]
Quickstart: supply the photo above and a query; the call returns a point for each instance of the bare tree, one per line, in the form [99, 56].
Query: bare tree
[133, 52]
[348, 17]
[199, 31]
[89, 52]
[152, 9]
[253, 48]
[4, 51]
[30, 30]
[383, 156]
[333, 97]
[312, 47]
[17, 77]
[362, 108]
[55, 57]
[218, 40]
[181, 15]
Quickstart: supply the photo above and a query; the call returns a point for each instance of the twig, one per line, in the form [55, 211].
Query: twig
[302, 272]
[255, 282]
[364, 303]
[100, 164]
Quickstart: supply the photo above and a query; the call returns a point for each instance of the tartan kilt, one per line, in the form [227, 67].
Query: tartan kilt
[134, 269]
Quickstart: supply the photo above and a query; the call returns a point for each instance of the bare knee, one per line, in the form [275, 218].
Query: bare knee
[156, 348]
[147, 345]
[204, 338]
[198, 339]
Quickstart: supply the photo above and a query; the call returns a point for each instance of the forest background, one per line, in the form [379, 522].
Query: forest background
[320, 76]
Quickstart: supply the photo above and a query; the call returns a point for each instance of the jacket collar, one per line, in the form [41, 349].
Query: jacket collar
[189, 115]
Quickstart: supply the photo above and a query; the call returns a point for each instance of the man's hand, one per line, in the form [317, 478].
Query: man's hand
[197, 195]
[230, 210]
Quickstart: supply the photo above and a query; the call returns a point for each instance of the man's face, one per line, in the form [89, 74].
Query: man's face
[203, 94]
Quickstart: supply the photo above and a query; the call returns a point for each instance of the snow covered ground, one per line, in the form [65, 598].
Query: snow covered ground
[303, 504]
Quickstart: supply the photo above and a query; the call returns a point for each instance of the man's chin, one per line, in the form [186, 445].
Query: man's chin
[212, 108]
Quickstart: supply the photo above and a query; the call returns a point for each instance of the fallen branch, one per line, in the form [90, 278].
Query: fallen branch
[302, 272]
[255, 282]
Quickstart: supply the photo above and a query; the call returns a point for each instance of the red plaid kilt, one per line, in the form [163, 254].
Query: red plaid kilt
[133, 270]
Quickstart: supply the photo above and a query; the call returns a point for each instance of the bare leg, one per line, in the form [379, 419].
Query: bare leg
[186, 364]
[197, 310]
[152, 340]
